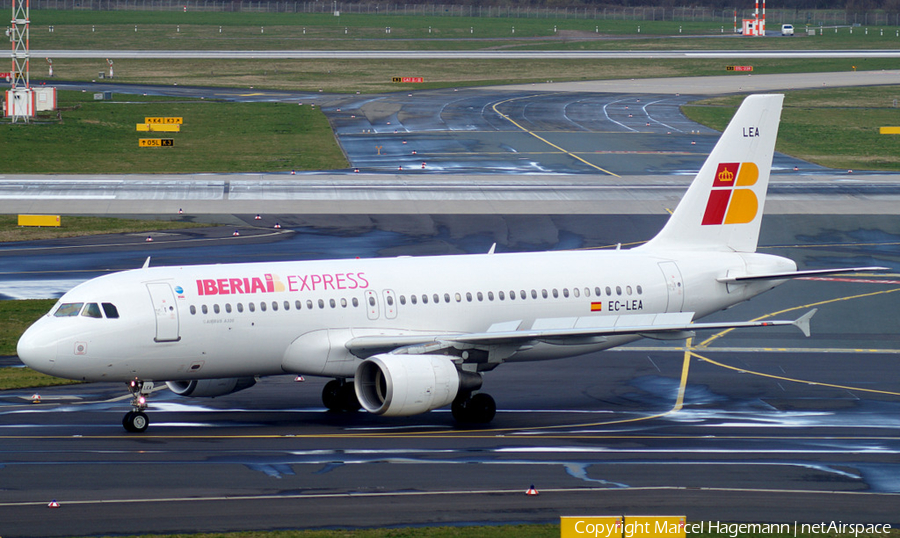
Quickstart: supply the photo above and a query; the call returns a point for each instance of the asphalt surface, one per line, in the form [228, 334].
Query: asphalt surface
[777, 428]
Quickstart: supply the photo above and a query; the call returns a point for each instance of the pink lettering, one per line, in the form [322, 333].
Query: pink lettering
[199, 287]
[236, 285]
[315, 279]
[270, 283]
[222, 283]
[328, 280]
[257, 285]
[292, 283]
[339, 279]
[209, 287]
[363, 283]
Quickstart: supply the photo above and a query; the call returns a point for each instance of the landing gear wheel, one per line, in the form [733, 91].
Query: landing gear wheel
[339, 395]
[474, 409]
[136, 421]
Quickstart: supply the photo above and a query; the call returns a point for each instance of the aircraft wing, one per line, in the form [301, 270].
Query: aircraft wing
[562, 331]
[799, 274]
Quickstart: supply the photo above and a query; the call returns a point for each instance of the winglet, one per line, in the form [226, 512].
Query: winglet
[802, 322]
[146, 263]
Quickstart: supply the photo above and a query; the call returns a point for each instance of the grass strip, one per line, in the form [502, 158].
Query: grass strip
[82, 226]
[837, 128]
[100, 137]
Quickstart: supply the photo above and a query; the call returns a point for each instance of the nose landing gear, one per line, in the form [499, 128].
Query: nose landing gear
[136, 421]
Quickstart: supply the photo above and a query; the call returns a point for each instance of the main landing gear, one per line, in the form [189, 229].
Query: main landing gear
[339, 395]
[136, 421]
[471, 408]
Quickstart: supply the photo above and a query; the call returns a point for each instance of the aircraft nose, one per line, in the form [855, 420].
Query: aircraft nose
[37, 351]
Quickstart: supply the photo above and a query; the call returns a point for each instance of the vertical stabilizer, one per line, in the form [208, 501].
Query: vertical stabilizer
[723, 207]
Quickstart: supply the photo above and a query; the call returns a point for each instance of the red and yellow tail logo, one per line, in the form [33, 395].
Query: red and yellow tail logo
[730, 202]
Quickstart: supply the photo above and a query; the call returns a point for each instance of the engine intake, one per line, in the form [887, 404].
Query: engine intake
[403, 385]
[210, 388]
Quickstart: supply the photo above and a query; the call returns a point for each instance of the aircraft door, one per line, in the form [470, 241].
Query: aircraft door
[674, 286]
[390, 304]
[163, 299]
[372, 304]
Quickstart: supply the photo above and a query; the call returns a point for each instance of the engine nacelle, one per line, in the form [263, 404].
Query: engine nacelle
[403, 385]
[210, 388]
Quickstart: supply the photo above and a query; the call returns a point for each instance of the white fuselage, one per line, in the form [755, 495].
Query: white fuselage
[221, 321]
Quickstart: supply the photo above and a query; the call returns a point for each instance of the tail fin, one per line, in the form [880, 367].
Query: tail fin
[723, 207]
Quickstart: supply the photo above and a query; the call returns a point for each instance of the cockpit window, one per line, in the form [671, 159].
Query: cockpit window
[68, 309]
[110, 310]
[92, 310]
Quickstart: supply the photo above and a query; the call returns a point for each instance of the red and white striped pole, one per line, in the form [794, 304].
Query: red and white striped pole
[762, 27]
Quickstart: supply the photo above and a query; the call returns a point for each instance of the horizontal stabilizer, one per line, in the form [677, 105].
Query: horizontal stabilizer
[799, 274]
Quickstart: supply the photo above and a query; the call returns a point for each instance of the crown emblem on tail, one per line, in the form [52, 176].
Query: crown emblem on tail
[726, 176]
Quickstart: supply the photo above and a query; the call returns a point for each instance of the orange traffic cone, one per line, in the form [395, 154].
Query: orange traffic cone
[531, 491]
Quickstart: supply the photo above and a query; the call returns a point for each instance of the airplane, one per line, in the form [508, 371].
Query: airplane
[407, 335]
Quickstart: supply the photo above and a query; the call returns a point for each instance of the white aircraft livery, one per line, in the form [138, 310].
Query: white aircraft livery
[402, 336]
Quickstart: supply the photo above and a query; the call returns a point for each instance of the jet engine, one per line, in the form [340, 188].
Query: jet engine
[403, 385]
[210, 388]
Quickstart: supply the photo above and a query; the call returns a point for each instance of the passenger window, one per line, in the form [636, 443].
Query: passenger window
[628, 290]
[480, 297]
[204, 309]
[331, 303]
[565, 292]
[413, 299]
[576, 292]
[469, 296]
[436, 298]
[424, 299]
[228, 307]
[110, 310]
[371, 301]
[355, 301]
[216, 308]
[193, 310]
[321, 303]
[446, 297]
[544, 293]
[555, 293]
[534, 294]
[587, 292]
[458, 298]
[251, 307]
[287, 305]
[512, 295]
[522, 294]
[262, 307]
[298, 305]
[403, 299]
[68, 310]
[390, 300]
[501, 295]
[490, 296]
[274, 306]
[343, 302]
[608, 291]
[640, 290]
[240, 307]
[92, 310]
[309, 304]
[597, 291]
[618, 290]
